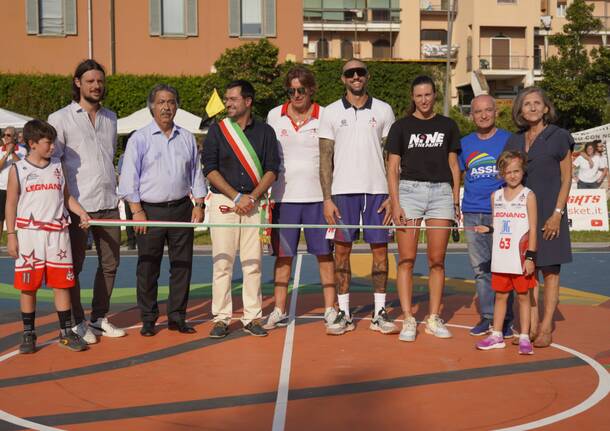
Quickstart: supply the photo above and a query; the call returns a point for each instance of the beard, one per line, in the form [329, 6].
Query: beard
[94, 99]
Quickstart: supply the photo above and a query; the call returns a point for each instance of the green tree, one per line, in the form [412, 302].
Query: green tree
[580, 101]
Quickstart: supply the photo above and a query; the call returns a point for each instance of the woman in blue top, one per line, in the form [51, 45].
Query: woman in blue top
[549, 175]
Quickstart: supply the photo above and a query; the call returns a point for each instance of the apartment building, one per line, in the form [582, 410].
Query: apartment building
[497, 45]
[170, 37]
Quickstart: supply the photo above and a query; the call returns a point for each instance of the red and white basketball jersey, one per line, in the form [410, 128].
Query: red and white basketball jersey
[41, 196]
[511, 232]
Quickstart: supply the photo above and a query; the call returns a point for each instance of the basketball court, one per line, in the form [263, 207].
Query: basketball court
[298, 378]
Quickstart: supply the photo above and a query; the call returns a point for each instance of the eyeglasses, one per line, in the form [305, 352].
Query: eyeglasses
[360, 71]
[8, 135]
[292, 91]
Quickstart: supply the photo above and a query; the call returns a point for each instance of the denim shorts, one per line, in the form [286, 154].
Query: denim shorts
[422, 199]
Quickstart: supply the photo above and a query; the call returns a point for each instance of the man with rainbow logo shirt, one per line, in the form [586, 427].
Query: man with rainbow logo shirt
[477, 159]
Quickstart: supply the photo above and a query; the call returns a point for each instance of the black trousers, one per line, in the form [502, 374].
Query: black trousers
[150, 253]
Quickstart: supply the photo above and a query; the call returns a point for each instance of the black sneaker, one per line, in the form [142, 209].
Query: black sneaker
[219, 330]
[255, 328]
[28, 343]
[72, 341]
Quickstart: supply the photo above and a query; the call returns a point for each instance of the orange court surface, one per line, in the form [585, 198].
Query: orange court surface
[298, 378]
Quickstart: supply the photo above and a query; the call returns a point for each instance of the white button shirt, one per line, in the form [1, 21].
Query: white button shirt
[87, 152]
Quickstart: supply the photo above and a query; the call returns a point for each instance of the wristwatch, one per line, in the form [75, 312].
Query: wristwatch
[200, 204]
[560, 211]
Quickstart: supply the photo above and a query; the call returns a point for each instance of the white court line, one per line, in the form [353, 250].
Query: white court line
[281, 402]
[603, 388]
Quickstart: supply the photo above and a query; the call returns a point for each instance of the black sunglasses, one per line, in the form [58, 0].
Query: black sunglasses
[360, 71]
[292, 91]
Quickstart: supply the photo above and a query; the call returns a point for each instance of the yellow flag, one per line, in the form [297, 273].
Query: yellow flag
[214, 105]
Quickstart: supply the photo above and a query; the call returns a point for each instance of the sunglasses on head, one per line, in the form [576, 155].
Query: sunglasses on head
[360, 71]
[292, 91]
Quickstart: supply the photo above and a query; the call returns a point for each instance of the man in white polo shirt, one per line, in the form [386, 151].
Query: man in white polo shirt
[298, 196]
[353, 131]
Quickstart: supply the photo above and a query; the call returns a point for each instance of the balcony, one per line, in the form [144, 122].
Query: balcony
[436, 6]
[605, 22]
[339, 19]
[503, 62]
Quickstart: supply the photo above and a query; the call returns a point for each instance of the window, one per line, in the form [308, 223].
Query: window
[172, 17]
[561, 8]
[347, 49]
[434, 35]
[382, 49]
[252, 18]
[323, 48]
[50, 17]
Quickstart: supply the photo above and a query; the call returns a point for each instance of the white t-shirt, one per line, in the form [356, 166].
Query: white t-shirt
[586, 172]
[511, 232]
[21, 152]
[358, 161]
[299, 176]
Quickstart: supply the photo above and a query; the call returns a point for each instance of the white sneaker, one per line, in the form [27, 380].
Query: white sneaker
[382, 323]
[83, 331]
[409, 329]
[276, 319]
[334, 324]
[435, 326]
[104, 327]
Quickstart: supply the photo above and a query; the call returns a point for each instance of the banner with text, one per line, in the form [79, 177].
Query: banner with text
[588, 209]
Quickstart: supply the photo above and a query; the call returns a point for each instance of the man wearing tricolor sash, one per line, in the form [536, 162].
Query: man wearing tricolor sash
[241, 161]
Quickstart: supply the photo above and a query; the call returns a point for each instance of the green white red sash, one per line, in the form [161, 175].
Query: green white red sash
[249, 160]
[243, 149]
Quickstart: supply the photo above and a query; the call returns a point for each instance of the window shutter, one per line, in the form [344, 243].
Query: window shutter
[191, 17]
[70, 19]
[234, 18]
[269, 17]
[31, 17]
[154, 17]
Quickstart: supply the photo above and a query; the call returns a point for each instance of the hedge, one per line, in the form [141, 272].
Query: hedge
[39, 95]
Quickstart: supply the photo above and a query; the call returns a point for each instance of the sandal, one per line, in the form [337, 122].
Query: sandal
[544, 339]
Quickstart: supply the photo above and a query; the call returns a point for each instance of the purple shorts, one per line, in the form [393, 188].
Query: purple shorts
[285, 241]
[354, 206]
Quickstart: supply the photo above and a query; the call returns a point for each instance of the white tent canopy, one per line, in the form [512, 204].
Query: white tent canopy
[142, 118]
[9, 118]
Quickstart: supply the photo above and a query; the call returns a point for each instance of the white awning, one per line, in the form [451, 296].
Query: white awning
[10, 118]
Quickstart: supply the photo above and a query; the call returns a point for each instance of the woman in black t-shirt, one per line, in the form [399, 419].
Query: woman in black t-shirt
[422, 151]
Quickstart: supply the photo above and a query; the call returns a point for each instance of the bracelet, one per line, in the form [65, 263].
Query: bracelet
[252, 199]
[11, 233]
[200, 205]
[237, 198]
[530, 255]
[137, 212]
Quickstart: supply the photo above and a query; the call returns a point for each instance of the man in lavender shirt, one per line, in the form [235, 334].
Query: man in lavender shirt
[160, 173]
[86, 143]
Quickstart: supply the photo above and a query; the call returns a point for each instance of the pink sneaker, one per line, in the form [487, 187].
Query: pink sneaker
[491, 342]
[525, 347]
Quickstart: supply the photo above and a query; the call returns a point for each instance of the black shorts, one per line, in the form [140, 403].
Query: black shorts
[2, 204]
[549, 269]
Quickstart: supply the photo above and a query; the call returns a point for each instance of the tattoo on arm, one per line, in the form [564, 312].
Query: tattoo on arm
[327, 151]
[385, 153]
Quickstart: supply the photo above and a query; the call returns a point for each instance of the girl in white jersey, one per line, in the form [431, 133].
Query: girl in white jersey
[514, 249]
